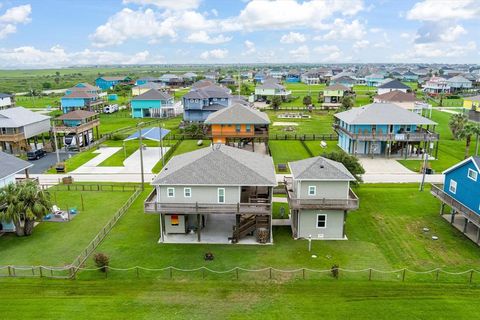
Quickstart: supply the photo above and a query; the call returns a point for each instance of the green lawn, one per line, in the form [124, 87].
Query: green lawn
[277, 210]
[77, 160]
[319, 123]
[153, 299]
[317, 150]
[361, 100]
[450, 151]
[185, 146]
[58, 243]
[285, 151]
[38, 102]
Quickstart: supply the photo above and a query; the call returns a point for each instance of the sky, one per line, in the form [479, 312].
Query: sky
[60, 33]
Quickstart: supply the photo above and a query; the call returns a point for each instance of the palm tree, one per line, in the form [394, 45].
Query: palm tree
[469, 129]
[24, 203]
[456, 123]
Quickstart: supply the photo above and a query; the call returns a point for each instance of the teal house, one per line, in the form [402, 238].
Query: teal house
[106, 83]
[154, 104]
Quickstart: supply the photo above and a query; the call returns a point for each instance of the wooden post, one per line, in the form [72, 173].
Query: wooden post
[471, 276]
[370, 274]
[9, 271]
[442, 208]
[203, 273]
[81, 198]
[199, 227]
[403, 275]
[303, 273]
[465, 225]
[437, 275]
[106, 272]
[41, 273]
[270, 271]
[478, 235]
[171, 272]
[236, 271]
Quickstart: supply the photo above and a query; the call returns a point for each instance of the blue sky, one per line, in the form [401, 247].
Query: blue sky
[57, 33]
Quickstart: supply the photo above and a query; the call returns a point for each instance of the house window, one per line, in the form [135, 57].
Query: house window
[237, 128]
[321, 220]
[187, 192]
[248, 128]
[472, 174]
[197, 101]
[171, 192]
[221, 195]
[453, 186]
[214, 99]
[312, 190]
[191, 100]
[174, 220]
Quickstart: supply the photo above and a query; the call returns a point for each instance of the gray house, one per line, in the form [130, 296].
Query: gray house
[319, 197]
[217, 194]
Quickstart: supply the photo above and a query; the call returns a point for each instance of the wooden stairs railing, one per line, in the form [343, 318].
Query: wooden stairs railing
[248, 224]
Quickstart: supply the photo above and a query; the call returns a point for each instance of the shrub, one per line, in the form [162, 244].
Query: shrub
[101, 260]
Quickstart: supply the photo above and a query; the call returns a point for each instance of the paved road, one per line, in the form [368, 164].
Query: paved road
[43, 164]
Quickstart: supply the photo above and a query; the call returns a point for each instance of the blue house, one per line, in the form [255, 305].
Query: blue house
[106, 83]
[409, 76]
[145, 80]
[293, 77]
[461, 192]
[77, 98]
[259, 77]
[204, 99]
[345, 81]
[374, 80]
[154, 104]
[384, 129]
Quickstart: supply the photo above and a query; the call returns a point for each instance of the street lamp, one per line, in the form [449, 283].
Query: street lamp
[141, 153]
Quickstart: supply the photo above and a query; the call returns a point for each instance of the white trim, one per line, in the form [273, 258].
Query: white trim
[461, 164]
[218, 195]
[474, 172]
[314, 190]
[189, 192]
[316, 221]
[453, 184]
[168, 193]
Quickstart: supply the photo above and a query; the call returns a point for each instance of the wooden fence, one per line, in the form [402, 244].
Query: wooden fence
[303, 137]
[93, 187]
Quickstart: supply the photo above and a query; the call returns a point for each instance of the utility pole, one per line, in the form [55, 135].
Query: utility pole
[55, 142]
[425, 163]
[160, 128]
[141, 154]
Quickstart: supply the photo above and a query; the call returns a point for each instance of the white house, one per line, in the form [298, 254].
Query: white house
[6, 101]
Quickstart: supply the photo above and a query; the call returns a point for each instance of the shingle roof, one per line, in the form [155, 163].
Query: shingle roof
[394, 84]
[238, 114]
[152, 94]
[473, 98]
[86, 86]
[337, 87]
[270, 84]
[319, 168]
[11, 165]
[5, 95]
[113, 78]
[211, 91]
[476, 159]
[218, 165]
[80, 94]
[382, 113]
[150, 85]
[19, 117]
[397, 96]
[77, 115]
[458, 79]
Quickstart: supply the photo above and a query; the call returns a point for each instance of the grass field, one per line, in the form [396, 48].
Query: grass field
[77, 160]
[317, 150]
[319, 123]
[285, 151]
[185, 146]
[58, 243]
[38, 102]
[151, 299]
[450, 151]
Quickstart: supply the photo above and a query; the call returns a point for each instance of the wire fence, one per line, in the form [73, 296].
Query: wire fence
[92, 187]
[470, 276]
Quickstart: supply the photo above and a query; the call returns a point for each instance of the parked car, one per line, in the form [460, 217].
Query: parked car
[36, 154]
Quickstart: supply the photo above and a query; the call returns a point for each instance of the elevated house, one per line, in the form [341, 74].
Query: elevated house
[217, 194]
[18, 126]
[80, 125]
[259, 77]
[345, 81]
[374, 80]
[410, 76]
[203, 99]
[271, 88]
[459, 83]
[293, 76]
[6, 101]
[189, 77]
[106, 83]
[472, 107]
[227, 81]
[212, 75]
[84, 86]
[334, 94]
[154, 104]
[461, 192]
[393, 85]
[142, 88]
[311, 77]
[82, 98]
[319, 197]
[406, 100]
[384, 129]
[238, 124]
[145, 80]
[436, 85]
[172, 80]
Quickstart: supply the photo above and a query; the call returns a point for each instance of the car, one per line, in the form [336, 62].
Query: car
[36, 154]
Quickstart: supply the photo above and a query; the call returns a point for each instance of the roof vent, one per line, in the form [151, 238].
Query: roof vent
[322, 166]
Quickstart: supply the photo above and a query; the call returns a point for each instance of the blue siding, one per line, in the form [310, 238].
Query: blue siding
[139, 106]
[194, 108]
[468, 191]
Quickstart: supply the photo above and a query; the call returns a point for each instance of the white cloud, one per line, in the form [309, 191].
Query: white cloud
[361, 44]
[12, 17]
[440, 31]
[301, 53]
[452, 33]
[214, 12]
[375, 30]
[56, 56]
[437, 10]
[342, 30]
[438, 51]
[249, 47]
[330, 53]
[204, 37]
[214, 54]
[168, 4]
[293, 37]
[405, 35]
[128, 24]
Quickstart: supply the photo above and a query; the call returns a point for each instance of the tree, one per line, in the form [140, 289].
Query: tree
[468, 130]
[350, 162]
[456, 123]
[276, 102]
[25, 202]
[347, 103]
[307, 100]
[46, 85]
[245, 90]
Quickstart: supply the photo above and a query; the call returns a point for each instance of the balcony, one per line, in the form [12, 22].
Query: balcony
[350, 203]
[256, 133]
[152, 206]
[419, 135]
[12, 137]
[437, 192]
[76, 129]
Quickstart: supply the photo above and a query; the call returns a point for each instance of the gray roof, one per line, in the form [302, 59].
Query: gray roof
[19, 117]
[218, 165]
[270, 84]
[476, 159]
[207, 92]
[382, 113]
[5, 95]
[153, 94]
[150, 85]
[11, 165]
[238, 114]
[319, 168]
[394, 84]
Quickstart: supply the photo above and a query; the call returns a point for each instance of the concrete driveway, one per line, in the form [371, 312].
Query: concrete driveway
[376, 166]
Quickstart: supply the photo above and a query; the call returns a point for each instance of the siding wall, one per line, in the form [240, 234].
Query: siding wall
[307, 225]
[200, 194]
[37, 128]
[468, 191]
[325, 189]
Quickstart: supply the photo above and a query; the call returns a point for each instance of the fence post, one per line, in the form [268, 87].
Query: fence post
[303, 273]
[41, 273]
[171, 273]
[471, 276]
[13, 270]
[106, 272]
[403, 275]
[270, 272]
[136, 269]
[33, 271]
[9, 271]
[436, 275]
[203, 273]
[236, 271]
[370, 274]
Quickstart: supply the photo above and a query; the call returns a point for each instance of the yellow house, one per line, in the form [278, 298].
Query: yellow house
[472, 103]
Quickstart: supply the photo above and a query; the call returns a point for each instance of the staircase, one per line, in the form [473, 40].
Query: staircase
[247, 224]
